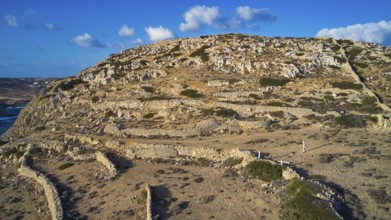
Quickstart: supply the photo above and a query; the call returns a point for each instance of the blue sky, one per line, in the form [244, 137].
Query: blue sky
[46, 38]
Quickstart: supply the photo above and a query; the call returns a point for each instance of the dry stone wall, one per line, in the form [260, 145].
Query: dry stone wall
[51, 193]
[102, 158]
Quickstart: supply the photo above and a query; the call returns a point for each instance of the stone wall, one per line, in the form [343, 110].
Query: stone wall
[51, 193]
[149, 202]
[102, 158]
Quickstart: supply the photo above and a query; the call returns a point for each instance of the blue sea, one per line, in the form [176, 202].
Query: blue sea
[7, 122]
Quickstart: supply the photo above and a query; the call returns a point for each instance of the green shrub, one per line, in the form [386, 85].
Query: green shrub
[36, 150]
[232, 161]
[342, 94]
[351, 121]
[7, 153]
[262, 170]
[299, 54]
[208, 111]
[369, 105]
[360, 64]
[300, 202]
[340, 60]
[306, 103]
[233, 81]
[148, 89]
[329, 98]
[273, 82]
[191, 93]
[277, 114]
[347, 85]
[94, 99]
[353, 52]
[65, 166]
[153, 98]
[225, 113]
[109, 114]
[149, 115]
[278, 104]
[200, 52]
[254, 96]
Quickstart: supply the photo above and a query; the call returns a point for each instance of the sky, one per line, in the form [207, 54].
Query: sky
[58, 38]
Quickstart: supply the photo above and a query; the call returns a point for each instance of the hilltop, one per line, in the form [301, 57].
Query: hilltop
[174, 113]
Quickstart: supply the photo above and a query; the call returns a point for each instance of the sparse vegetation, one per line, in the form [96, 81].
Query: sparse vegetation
[149, 115]
[148, 89]
[369, 105]
[225, 113]
[347, 85]
[277, 114]
[191, 93]
[109, 114]
[273, 82]
[278, 104]
[232, 161]
[200, 52]
[94, 99]
[65, 166]
[300, 202]
[262, 170]
[351, 121]
[340, 60]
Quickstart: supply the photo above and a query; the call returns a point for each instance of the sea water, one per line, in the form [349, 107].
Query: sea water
[7, 122]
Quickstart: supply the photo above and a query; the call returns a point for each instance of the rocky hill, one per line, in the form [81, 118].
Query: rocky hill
[205, 97]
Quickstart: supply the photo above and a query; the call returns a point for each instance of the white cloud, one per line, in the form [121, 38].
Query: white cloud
[11, 20]
[159, 33]
[252, 17]
[125, 31]
[244, 17]
[247, 13]
[198, 16]
[369, 32]
[86, 40]
[138, 41]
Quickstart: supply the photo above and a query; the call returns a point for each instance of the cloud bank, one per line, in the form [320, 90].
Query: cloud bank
[87, 40]
[370, 32]
[30, 19]
[159, 33]
[125, 31]
[201, 16]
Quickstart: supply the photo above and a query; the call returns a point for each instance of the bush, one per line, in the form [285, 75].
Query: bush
[94, 99]
[200, 52]
[351, 121]
[109, 114]
[347, 85]
[277, 114]
[273, 82]
[34, 151]
[7, 153]
[191, 93]
[262, 170]
[340, 60]
[232, 161]
[208, 111]
[65, 166]
[300, 202]
[148, 89]
[329, 98]
[254, 96]
[369, 105]
[149, 115]
[278, 104]
[153, 98]
[226, 113]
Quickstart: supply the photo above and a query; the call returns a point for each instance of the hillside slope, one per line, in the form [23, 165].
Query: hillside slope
[232, 91]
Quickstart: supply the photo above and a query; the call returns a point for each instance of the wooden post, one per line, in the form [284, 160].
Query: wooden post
[303, 146]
